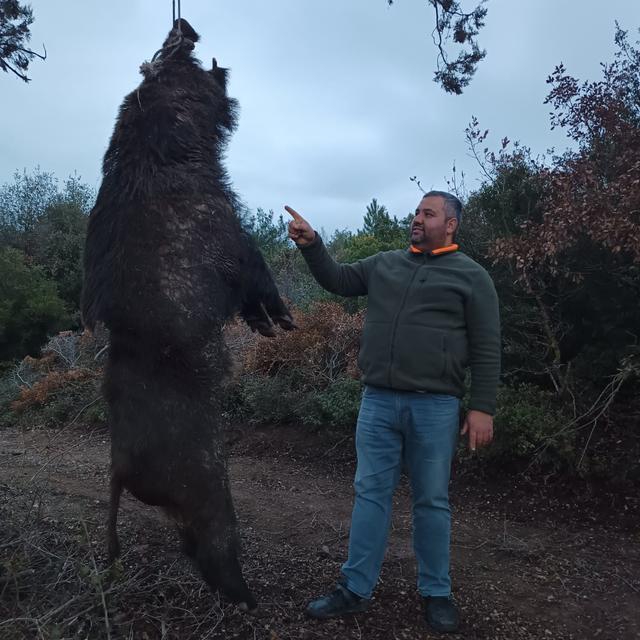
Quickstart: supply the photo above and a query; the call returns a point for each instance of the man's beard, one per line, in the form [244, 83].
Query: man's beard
[435, 237]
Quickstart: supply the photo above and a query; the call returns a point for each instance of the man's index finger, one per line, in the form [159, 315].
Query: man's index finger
[294, 214]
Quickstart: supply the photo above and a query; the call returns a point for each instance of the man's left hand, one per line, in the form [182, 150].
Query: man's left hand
[479, 426]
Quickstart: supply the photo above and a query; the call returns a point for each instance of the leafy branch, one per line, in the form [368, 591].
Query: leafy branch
[15, 22]
[452, 24]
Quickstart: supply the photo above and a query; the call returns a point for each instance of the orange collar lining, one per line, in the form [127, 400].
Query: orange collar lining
[436, 252]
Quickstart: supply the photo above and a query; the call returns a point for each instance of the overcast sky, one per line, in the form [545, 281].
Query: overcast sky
[337, 100]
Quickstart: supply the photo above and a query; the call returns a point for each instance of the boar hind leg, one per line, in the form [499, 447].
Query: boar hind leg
[113, 544]
[210, 540]
[189, 541]
[218, 562]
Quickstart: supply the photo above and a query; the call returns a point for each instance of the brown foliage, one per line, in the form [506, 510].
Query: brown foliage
[68, 361]
[594, 192]
[43, 364]
[323, 347]
[54, 381]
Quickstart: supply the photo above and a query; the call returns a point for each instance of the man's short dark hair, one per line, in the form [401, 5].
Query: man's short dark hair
[453, 206]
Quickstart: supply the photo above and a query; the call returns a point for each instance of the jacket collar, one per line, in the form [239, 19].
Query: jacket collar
[436, 252]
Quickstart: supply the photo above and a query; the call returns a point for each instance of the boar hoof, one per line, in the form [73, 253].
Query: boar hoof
[244, 607]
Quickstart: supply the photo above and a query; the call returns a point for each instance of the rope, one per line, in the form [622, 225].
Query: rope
[179, 15]
[175, 43]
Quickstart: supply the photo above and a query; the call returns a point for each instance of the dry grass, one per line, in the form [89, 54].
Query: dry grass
[54, 582]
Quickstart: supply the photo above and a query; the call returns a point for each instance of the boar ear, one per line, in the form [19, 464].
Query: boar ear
[220, 74]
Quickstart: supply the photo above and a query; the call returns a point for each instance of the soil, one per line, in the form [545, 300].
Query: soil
[529, 560]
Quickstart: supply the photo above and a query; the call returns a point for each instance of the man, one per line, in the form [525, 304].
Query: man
[431, 311]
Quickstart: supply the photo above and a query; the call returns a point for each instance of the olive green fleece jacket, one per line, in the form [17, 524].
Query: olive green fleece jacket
[428, 318]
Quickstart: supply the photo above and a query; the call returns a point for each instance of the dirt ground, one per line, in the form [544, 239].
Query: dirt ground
[526, 563]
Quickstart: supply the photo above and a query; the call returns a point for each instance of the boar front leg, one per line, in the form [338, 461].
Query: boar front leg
[262, 307]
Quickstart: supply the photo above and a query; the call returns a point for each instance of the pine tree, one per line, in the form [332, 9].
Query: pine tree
[15, 22]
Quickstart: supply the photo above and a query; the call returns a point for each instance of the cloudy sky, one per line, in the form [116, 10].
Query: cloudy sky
[337, 100]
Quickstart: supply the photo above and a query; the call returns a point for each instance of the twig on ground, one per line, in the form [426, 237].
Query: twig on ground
[629, 584]
[98, 582]
[337, 444]
[60, 454]
[472, 547]
[358, 627]
[54, 612]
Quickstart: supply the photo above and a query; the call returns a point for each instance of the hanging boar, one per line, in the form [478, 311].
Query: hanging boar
[167, 263]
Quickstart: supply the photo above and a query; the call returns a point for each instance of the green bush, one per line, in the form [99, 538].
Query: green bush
[337, 405]
[58, 245]
[30, 308]
[530, 425]
[262, 399]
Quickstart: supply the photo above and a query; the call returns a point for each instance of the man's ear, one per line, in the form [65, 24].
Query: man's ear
[452, 225]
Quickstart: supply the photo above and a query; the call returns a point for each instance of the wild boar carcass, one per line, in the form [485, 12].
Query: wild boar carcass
[167, 263]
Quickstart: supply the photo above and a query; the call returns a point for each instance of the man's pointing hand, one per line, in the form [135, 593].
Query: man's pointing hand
[300, 231]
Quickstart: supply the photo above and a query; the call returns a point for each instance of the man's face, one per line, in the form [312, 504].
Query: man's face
[430, 228]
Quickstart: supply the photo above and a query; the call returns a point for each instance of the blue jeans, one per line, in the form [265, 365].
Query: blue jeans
[419, 431]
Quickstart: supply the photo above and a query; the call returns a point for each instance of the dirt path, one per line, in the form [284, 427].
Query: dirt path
[532, 578]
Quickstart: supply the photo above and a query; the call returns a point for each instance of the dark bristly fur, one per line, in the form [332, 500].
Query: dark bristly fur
[166, 264]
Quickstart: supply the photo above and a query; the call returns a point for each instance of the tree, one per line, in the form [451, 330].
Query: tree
[58, 245]
[564, 236]
[30, 309]
[378, 222]
[15, 21]
[270, 233]
[362, 246]
[453, 24]
[25, 201]
[48, 224]
[595, 192]
[380, 232]
[509, 198]
[22, 202]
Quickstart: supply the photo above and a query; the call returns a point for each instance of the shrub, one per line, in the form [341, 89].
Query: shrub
[308, 375]
[261, 399]
[337, 405]
[30, 308]
[60, 386]
[530, 425]
[322, 349]
[58, 243]
[281, 399]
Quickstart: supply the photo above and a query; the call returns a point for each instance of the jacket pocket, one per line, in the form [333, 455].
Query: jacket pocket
[456, 357]
[419, 357]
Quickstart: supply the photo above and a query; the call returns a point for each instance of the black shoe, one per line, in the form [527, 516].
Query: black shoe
[441, 614]
[337, 603]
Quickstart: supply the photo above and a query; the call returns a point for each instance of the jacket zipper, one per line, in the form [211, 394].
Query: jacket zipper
[395, 322]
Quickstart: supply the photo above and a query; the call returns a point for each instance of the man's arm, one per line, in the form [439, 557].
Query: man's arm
[483, 331]
[343, 279]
